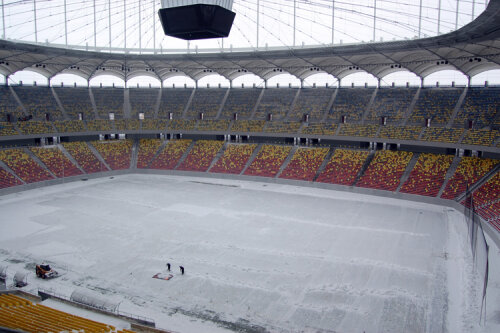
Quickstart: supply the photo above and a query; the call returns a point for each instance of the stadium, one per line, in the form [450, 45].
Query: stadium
[327, 167]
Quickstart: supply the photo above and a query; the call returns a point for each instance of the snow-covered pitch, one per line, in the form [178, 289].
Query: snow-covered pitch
[257, 256]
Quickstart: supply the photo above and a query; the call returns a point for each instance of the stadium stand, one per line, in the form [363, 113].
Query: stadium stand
[248, 126]
[69, 126]
[313, 102]
[143, 101]
[75, 101]
[38, 101]
[56, 162]
[117, 154]
[99, 125]
[304, 164]
[206, 101]
[171, 154]
[7, 129]
[282, 127]
[400, 132]
[268, 161]
[343, 167]
[147, 151]
[241, 101]
[213, 125]
[234, 159]
[427, 177]
[154, 125]
[127, 124]
[385, 170]
[351, 103]
[480, 137]
[319, 129]
[392, 103]
[20, 314]
[108, 100]
[173, 101]
[366, 131]
[201, 155]
[436, 104]
[275, 101]
[441, 134]
[182, 125]
[489, 192]
[84, 157]
[24, 166]
[9, 105]
[8, 180]
[35, 127]
[480, 106]
[469, 171]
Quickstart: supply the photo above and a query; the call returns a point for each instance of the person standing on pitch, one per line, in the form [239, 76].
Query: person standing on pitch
[168, 266]
[182, 270]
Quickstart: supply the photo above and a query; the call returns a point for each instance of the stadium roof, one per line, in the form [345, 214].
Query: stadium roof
[472, 49]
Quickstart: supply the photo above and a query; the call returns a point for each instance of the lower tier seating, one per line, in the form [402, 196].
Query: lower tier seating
[8, 180]
[304, 164]
[24, 166]
[84, 157]
[117, 154]
[57, 162]
[20, 314]
[428, 175]
[235, 158]
[201, 155]
[147, 151]
[268, 161]
[469, 171]
[171, 154]
[343, 167]
[385, 170]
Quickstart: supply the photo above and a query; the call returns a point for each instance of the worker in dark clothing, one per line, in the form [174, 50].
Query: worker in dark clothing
[168, 266]
[182, 270]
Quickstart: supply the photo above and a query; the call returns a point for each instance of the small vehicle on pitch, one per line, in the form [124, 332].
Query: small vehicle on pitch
[45, 272]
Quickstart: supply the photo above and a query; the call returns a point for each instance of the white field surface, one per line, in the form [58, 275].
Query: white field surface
[258, 257]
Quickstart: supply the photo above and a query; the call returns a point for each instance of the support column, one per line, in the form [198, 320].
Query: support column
[439, 18]
[140, 25]
[95, 26]
[294, 19]
[154, 30]
[34, 16]
[3, 20]
[333, 22]
[258, 17]
[66, 22]
[109, 23]
[124, 24]
[374, 18]
[456, 14]
[420, 20]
